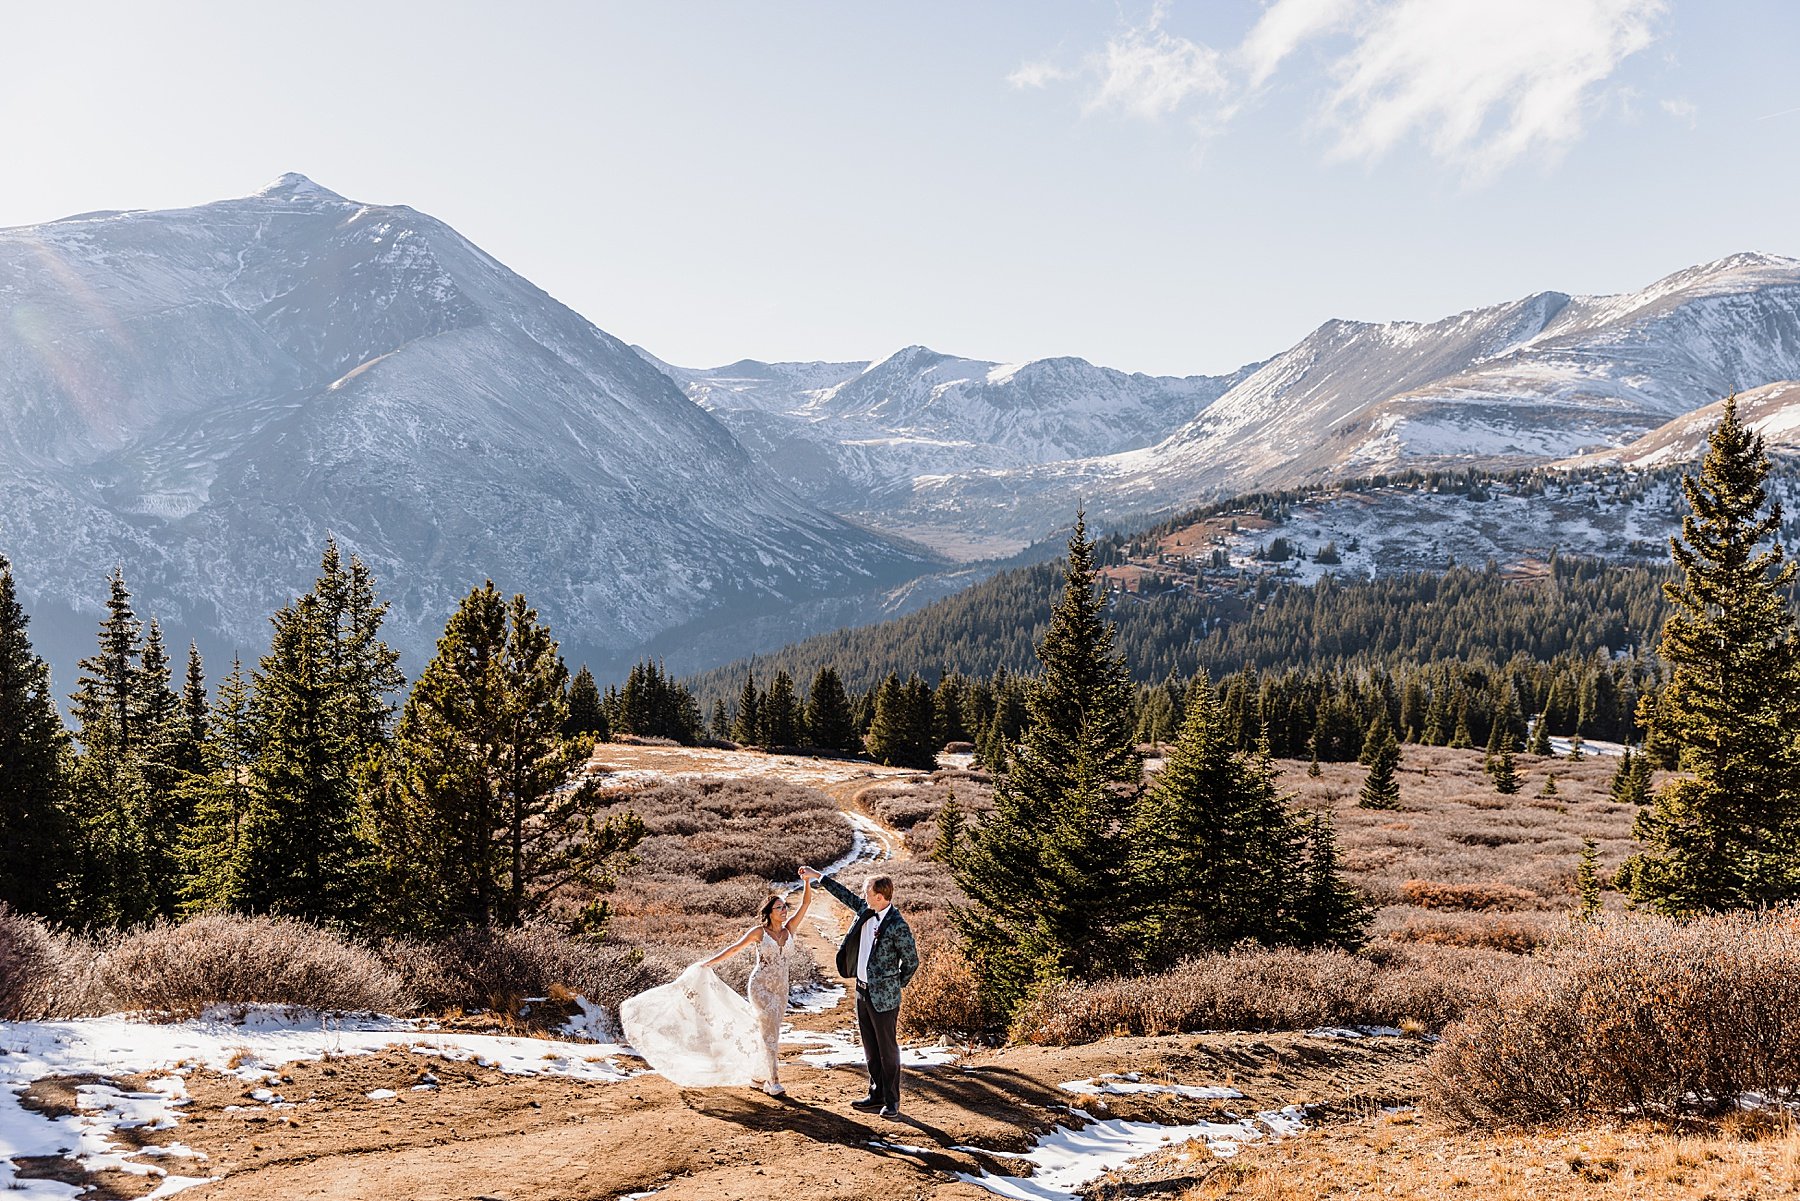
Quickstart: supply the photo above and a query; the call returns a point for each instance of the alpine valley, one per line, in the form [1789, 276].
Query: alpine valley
[200, 396]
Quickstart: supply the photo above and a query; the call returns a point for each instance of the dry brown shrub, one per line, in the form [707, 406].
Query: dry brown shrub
[945, 998]
[1268, 989]
[222, 959]
[715, 828]
[1518, 934]
[1634, 1014]
[42, 972]
[1436, 894]
[493, 967]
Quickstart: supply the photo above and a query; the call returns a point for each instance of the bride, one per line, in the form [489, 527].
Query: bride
[699, 1033]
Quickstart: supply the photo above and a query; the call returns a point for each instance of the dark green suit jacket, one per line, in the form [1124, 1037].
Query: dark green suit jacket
[892, 960]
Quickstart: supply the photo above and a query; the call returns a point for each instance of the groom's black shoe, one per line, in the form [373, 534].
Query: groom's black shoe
[889, 1111]
[867, 1103]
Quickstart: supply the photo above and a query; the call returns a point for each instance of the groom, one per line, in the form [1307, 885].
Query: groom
[879, 952]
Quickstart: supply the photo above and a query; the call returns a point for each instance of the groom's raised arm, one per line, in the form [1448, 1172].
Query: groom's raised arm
[844, 896]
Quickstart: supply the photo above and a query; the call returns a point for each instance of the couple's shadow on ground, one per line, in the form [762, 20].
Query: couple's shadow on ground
[995, 1094]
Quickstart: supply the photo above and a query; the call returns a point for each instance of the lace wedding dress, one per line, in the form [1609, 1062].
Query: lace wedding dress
[698, 1033]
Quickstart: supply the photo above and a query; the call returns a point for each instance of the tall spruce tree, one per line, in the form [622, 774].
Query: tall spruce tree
[1329, 910]
[748, 727]
[779, 721]
[1046, 873]
[106, 784]
[1381, 789]
[211, 846]
[829, 722]
[35, 829]
[168, 755]
[586, 716]
[322, 705]
[473, 825]
[1503, 770]
[1212, 851]
[1726, 834]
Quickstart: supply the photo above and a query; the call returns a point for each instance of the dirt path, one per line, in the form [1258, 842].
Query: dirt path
[483, 1134]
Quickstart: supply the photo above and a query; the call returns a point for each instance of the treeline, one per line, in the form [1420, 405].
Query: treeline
[1580, 607]
[306, 786]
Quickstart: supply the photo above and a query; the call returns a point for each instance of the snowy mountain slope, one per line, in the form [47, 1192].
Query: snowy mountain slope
[1772, 410]
[201, 394]
[1526, 382]
[847, 434]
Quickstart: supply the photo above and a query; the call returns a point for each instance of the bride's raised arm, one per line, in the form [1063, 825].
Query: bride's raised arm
[793, 921]
[748, 938]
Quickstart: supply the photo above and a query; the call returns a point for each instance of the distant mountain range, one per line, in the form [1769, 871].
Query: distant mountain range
[1532, 381]
[201, 395]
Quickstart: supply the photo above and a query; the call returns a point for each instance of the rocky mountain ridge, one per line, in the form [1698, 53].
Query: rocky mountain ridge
[201, 395]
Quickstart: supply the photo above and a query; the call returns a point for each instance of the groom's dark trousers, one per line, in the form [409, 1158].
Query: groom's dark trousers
[881, 1047]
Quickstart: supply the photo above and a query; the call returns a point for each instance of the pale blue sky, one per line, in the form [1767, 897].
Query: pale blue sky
[1149, 187]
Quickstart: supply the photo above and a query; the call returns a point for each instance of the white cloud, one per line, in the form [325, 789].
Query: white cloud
[1149, 73]
[1283, 27]
[1481, 84]
[1684, 111]
[1036, 75]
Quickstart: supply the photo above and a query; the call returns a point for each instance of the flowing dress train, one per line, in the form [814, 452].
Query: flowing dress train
[698, 1033]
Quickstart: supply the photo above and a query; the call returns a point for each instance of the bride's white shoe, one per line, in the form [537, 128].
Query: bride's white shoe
[773, 1088]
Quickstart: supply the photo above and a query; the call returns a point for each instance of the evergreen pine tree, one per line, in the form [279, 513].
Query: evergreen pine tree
[748, 727]
[35, 830]
[1381, 789]
[779, 722]
[948, 723]
[106, 785]
[168, 755]
[1378, 734]
[1504, 771]
[321, 706]
[1329, 910]
[921, 724]
[586, 716]
[211, 846]
[1045, 874]
[829, 721]
[719, 727]
[1006, 727]
[950, 831]
[1549, 788]
[1575, 747]
[1213, 851]
[472, 825]
[1540, 735]
[1587, 881]
[1620, 787]
[1727, 833]
[1460, 735]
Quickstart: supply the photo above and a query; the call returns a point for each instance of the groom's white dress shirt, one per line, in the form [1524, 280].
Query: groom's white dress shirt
[867, 944]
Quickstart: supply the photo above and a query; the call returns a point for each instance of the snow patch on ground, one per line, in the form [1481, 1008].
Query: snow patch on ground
[839, 1048]
[252, 1048]
[1131, 1084]
[1067, 1159]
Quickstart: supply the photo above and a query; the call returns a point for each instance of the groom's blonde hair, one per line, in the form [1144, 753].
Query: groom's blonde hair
[884, 885]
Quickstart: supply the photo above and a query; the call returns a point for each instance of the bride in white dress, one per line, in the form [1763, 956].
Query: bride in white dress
[699, 1033]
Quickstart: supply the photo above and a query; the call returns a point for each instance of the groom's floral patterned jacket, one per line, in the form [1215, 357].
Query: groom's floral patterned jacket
[892, 960]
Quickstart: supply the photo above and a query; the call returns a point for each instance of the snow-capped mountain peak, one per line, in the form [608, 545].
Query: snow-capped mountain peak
[201, 394]
[295, 186]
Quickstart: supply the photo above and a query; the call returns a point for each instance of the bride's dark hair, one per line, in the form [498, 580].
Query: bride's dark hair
[775, 898]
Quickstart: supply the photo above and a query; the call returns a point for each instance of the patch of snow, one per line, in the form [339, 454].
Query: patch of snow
[1357, 1032]
[1067, 1159]
[1130, 1083]
[252, 1049]
[381, 1094]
